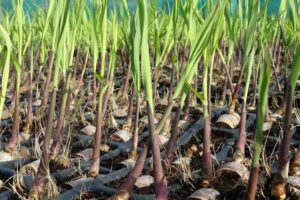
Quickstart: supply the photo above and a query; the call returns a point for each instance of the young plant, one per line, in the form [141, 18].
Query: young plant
[127, 186]
[262, 102]
[52, 52]
[198, 45]
[159, 177]
[13, 141]
[248, 57]
[135, 40]
[43, 169]
[75, 21]
[101, 107]
[5, 66]
[278, 187]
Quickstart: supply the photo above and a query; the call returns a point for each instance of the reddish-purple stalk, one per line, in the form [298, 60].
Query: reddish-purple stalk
[80, 82]
[229, 77]
[14, 139]
[94, 168]
[29, 118]
[207, 161]
[286, 140]
[128, 120]
[161, 192]
[235, 97]
[124, 89]
[128, 184]
[224, 93]
[173, 137]
[241, 142]
[39, 179]
[72, 95]
[60, 122]
[135, 137]
[48, 80]
[252, 185]
[101, 110]
[237, 88]
[25, 87]
[281, 110]
[159, 128]
[279, 181]
[30, 104]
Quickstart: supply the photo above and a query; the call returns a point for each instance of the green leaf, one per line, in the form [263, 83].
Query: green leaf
[248, 73]
[99, 77]
[262, 105]
[5, 62]
[199, 95]
[295, 72]
[16, 63]
[145, 57]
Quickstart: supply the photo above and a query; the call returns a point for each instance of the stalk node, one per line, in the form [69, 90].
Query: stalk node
[238, 156]
[278, 187]
[295, 167]
[62, 161]
[93, 174]
[205, 183]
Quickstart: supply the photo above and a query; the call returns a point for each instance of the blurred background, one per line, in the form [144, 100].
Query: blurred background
[163, 4]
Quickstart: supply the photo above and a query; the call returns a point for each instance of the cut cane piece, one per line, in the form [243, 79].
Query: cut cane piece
[120, 113]
[183, 161]
[5, 157]
[163, 139]
[121, 136]
[234, 168]
[129, 163]
[205, 194]
[23, 137]
[37, 103]
[79, 181]
[184, 124]
[294, 185]
[267, 126]
[23, 152]
[6, 114]
[89, 130]
[85, 154]
[144, 181]
[229, 120]
[31, 168]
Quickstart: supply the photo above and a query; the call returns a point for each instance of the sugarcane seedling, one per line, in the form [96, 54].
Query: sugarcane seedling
[159, 177]
[278, 186]
[29, 119]
[262, 102]
[135, 40]
[52, 51]
[39, 181]
[57, 140]
[125, 190]
[14, 139]
[201, 41]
